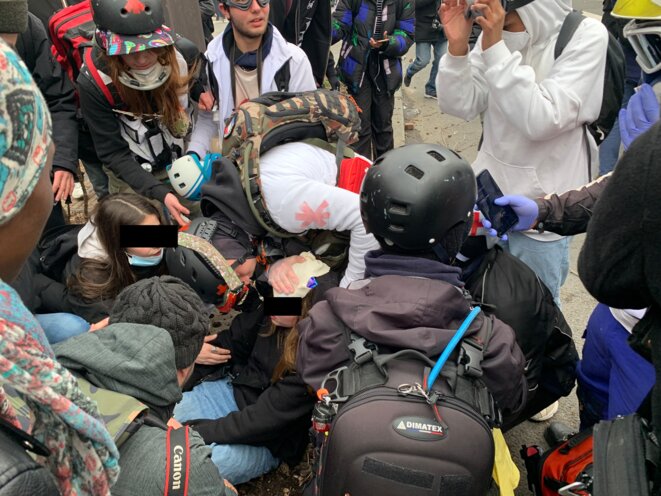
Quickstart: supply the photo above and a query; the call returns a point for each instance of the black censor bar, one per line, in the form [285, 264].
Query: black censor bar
[287, 305]
[148, 236]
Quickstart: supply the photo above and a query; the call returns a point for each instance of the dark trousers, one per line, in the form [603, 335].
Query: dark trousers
[377, 106]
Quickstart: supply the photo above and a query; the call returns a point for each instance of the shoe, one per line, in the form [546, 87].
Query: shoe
[546, 414]
[407, 80]
[431, 94]
[558, 432]
[77, 193]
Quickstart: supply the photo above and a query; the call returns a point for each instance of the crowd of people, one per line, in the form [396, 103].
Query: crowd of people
[298, 217]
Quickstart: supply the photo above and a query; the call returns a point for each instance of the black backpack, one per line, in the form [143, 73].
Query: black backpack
[509, 290]
[377, 431]
[613, 78]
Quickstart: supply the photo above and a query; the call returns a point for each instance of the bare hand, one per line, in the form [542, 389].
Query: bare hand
[377, 44]
[63, 183]
[99, 325]
[456, 27]
[492, 21]
[176, 209]
[213, 355]
[282, 277]
[206, 101]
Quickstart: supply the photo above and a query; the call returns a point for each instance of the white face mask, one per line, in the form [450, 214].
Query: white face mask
[516, 41]
[146, 79]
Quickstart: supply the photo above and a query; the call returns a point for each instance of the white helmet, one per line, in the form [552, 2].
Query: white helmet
[187, 174]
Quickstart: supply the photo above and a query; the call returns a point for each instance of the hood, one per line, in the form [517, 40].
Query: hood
[89, 245]
[428, 310]
[132, 359]
[543, 19]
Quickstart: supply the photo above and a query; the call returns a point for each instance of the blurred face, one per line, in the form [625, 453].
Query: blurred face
[140, 60]
[513, 22]
[249, 23]
[284, 320]
[9, 38]
[20, 235]
[149, 220]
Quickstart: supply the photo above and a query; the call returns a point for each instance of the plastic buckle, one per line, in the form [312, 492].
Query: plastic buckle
[470, 359]
[361, 353]
[335, 376]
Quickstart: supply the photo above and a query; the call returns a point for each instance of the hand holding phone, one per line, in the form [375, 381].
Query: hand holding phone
[502, 218]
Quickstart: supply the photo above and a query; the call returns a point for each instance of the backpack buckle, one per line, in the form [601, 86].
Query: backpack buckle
[336, 377]
[470, 359]
[361, 350]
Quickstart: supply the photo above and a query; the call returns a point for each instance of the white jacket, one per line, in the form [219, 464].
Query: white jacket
[298, 182]
[301, 79]
[534, 106]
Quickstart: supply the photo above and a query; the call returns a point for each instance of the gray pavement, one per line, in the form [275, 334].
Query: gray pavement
[431, 126]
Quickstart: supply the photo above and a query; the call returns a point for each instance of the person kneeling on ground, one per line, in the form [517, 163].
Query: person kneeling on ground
[259, 412]
[149, 360]
[417, 201]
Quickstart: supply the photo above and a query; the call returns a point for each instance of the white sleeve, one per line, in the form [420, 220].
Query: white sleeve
[567, 98]
[310, 204]
[463, 90]
[204, 130]
[301, 77]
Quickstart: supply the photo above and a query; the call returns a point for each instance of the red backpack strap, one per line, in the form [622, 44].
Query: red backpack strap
[94, 72]
[177, 463]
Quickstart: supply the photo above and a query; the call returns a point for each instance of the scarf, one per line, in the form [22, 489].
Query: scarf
[83, 456]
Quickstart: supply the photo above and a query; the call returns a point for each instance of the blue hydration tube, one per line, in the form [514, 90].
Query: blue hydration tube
[451, 346]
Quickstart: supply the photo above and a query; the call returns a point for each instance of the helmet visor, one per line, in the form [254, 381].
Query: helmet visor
[120, 44]
[245, 4]
[645, 38]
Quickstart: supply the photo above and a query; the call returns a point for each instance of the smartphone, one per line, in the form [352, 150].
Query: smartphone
[502, 218]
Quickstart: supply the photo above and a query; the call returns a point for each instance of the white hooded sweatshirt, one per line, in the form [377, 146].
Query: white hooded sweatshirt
[534, 106]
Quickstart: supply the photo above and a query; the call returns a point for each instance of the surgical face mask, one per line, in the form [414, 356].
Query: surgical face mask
[516, 41]
[146, 79]
[138, 261]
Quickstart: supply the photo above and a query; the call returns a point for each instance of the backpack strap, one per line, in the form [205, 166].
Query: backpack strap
[177, 463]
[94, 72]
[569, 27]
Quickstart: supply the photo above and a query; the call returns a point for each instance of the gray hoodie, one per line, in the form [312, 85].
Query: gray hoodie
[138, 360]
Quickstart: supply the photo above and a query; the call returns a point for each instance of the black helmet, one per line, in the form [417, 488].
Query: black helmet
[417, 198]
[193, 268]
[128, 17]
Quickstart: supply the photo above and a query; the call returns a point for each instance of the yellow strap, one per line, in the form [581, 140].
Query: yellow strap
[505, 473]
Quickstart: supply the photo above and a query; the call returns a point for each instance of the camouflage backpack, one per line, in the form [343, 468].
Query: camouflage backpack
[323, 118]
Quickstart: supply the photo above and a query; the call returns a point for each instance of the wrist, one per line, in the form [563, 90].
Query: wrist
[458, 48]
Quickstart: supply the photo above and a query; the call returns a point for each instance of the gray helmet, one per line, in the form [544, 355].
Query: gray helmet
[418, 198]
[128, 17]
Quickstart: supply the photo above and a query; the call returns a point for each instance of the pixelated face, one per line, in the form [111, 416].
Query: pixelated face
[140, 60]
[149, 220]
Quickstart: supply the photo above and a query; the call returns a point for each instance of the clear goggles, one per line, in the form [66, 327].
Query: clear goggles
[645, 38]
[245, 4]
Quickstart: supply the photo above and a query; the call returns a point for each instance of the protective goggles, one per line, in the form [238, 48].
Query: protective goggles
[245, 4]
[645, 38]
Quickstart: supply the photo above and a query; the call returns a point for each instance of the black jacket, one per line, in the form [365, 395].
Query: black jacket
[20, 475]
[508, 289]
[274, 415]
[307, 25]
[33, 46]
[426, 12]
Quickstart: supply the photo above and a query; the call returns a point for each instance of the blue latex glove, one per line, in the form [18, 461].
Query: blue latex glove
[641, 113]
[524, 207]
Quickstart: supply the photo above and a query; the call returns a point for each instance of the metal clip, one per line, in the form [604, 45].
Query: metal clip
[569, 489]
[415, 389]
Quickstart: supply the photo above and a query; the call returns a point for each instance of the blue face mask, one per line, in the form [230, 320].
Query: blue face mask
[138, 261]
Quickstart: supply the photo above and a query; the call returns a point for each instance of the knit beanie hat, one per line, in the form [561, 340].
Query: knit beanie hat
[13, 16]
[168, 303]
[25, 128]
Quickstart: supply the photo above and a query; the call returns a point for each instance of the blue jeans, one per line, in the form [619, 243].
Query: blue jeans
[609, 150]
[238, 463]
[549, 259]
[60, 326]
[423, 56]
